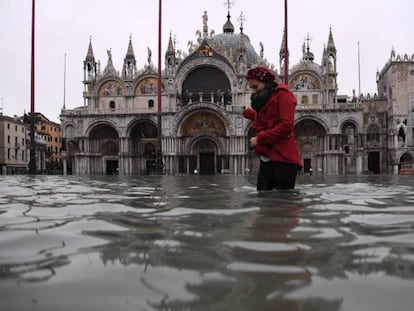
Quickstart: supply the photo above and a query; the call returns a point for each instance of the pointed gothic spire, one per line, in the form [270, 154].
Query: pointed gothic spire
[324, 56]
[331, 44]
[89, 54]
[170, 48]
[129, 67]
[130, 51]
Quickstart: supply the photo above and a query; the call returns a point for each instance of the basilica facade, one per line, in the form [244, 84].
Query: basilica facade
[200, 128]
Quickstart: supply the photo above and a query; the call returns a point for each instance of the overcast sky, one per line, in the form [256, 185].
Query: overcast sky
[67, 26]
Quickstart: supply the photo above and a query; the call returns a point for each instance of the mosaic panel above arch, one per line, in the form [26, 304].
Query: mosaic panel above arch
[305, 81]
[202, 122]
[111, 88]
[147, 86]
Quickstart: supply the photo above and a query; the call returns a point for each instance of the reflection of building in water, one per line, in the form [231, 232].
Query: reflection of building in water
[202, 95]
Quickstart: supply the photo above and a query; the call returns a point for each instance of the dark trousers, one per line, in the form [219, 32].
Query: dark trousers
[276, 175]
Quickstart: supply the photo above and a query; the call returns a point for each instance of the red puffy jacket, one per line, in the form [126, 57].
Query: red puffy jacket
[274, 124]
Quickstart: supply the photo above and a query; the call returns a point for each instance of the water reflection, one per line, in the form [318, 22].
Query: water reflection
[206, 243]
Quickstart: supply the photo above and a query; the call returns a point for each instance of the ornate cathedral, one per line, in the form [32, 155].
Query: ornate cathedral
[200, 128]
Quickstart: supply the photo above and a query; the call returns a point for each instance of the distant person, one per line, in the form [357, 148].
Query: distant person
[273, 114]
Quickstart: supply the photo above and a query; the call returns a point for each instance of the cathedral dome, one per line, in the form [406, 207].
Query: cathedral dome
[230, 42]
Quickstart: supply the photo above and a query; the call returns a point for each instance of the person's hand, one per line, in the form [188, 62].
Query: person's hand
[253, 141]
[248, 113]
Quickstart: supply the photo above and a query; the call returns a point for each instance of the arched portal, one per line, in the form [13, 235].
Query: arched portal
[143, 146]
[201, 132]
[406, 164]
[104, 140]
[204, 151]
[310, 135]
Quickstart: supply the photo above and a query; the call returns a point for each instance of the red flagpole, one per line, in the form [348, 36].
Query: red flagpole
[159, 56]
[32, 160]
[159, 165]
[286, 47]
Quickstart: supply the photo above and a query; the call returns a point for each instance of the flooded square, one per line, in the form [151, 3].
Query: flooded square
[206, 243]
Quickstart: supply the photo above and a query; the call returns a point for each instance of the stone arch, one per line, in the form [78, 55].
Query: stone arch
[311, 137]
[349, 130]
[103, 139]
[69, 131]
[406, 157]
[189, 67]
[108, 123]
[206, 84]
[406, 162]
[309, 128]
[320, 121]
[204, 151]
[143, 138]
[352, 122]
[204, 143]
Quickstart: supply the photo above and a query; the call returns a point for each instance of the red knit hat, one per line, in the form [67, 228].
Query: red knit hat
[261, 73]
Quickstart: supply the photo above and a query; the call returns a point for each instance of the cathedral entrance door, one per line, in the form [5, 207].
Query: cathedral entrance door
[374, 162]
[207, 163]
[111, 167]
[307, 165]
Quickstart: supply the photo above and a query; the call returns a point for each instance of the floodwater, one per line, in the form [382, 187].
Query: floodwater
[206, 243]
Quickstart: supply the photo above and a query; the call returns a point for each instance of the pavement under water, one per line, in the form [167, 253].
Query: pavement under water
[206, 243]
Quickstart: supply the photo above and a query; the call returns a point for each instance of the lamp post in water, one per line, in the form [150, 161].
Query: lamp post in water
[32, 161]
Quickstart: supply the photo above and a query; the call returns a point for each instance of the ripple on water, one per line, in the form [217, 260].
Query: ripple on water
[259, 246]
[265, 268]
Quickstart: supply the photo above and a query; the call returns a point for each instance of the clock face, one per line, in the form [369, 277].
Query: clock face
[305, 82]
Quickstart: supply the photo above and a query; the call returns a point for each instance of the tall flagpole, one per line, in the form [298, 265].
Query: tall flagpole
[64, 84]
[286, 47]
[32, 161]
[359, 74]
[159, 164]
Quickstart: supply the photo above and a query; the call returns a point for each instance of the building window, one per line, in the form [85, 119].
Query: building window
[315, 99]
[304, 100]
[112, 104]
[373, 133]
[151, 103]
